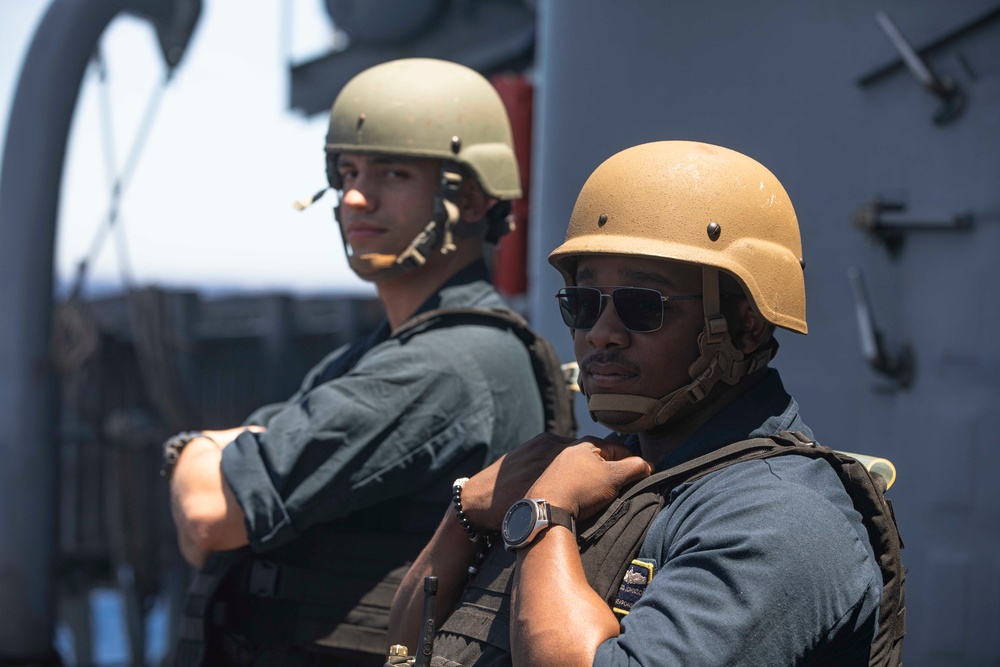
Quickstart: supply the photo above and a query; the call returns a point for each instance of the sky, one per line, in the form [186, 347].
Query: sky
[209, 203]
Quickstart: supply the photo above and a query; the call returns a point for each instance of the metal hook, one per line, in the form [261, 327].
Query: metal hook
[946, 89]
[899, 366]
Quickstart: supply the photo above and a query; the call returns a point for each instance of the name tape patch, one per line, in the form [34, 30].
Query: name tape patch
[634, 584]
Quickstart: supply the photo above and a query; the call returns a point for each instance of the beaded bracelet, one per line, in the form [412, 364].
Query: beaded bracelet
[456, 500]
[174, 445]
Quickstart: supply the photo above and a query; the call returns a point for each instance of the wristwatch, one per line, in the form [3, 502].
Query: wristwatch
[528, 517]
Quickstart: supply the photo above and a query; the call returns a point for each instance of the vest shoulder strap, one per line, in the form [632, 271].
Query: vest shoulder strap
[610, 541]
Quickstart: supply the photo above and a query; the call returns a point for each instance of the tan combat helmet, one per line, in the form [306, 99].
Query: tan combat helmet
[701, 204]
[426, 108]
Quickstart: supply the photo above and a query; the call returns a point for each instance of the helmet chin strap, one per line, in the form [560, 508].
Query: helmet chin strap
[378, 266]
[719, 360]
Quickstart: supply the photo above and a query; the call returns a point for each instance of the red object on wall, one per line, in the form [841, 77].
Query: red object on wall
[511, 269]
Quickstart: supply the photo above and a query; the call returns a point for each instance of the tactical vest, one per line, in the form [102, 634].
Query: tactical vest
[477, 633]
[324, 598]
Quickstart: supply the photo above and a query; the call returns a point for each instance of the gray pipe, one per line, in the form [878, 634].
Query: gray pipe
[30, 182]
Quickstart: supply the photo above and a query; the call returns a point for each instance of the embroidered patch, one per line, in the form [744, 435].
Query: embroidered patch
[634, 583]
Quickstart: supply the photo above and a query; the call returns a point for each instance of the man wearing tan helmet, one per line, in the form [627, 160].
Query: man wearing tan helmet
[304, 519]
[680, 260]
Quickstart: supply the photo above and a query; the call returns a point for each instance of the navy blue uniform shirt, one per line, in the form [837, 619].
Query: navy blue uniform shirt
[408, 418]
[760, 563]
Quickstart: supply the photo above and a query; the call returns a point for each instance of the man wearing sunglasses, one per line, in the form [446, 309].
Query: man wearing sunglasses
[680, 260]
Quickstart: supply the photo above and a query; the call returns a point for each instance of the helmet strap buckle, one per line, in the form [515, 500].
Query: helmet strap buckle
[446, 205]
[446, 215]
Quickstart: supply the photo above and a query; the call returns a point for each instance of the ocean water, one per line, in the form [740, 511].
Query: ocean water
[110, 634]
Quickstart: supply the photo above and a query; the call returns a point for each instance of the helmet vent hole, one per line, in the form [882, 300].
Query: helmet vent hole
[456, 145]
[361, 120]
[714, 231]
[603, 220]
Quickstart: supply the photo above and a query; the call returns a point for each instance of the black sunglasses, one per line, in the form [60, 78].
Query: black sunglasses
[640, 309]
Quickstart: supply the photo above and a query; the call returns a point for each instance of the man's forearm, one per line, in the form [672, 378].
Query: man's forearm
[204, 508]
[556, 617]
[194, 555]
[447, 556]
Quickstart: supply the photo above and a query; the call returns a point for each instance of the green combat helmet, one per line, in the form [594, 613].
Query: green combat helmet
[426, 108]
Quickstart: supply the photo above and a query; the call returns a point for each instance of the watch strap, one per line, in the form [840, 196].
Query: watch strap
[560, 517]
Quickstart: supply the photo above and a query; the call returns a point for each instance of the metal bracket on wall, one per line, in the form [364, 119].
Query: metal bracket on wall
[952, 97]
[899, 365]
[891, 230]
[915, 59]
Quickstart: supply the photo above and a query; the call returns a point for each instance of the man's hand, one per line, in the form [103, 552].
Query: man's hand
[487, 496]
[485, 500]
[585, 478]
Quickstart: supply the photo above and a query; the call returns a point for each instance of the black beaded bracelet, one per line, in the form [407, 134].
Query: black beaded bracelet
[456, 500]
[172, 450]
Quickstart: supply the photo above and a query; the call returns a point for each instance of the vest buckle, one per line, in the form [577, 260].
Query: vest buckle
[263, 578]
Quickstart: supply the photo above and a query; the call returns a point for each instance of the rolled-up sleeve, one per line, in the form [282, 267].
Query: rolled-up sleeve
[400, 416]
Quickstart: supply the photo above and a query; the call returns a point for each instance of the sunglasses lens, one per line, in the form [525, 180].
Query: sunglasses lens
[579, 306]
[640, 309]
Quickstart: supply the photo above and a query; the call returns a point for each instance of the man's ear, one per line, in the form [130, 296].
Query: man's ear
[473, 203]
[753, 330]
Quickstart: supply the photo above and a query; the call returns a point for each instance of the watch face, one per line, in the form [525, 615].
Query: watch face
[519, 521]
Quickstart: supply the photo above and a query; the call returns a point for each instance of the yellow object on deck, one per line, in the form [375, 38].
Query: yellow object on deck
[877, 466]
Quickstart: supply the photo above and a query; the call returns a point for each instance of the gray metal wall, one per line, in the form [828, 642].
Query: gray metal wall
[780, 82]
